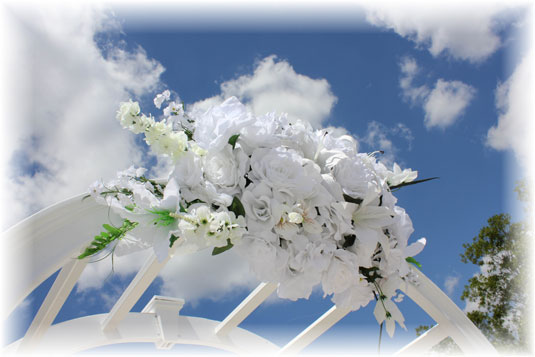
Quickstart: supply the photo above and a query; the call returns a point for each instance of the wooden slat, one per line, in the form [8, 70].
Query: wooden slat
[424, 342]
[448, 315]
[245, 308]
[58, 293]
[133, 292]
[315, 330]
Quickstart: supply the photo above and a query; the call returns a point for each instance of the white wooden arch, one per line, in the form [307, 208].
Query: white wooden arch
[52, 238]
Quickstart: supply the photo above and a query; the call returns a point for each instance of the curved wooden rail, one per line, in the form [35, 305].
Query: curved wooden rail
[52, 238]
[85, 333]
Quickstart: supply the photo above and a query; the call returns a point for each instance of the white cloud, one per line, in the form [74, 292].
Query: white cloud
[451, 283]
[464, 30]
[275, 85]
[409, 69]
[63, 96]
[379, 137]
[443, 105]
[96, 273]
[201, 275]
[446, 103]
[514, 101]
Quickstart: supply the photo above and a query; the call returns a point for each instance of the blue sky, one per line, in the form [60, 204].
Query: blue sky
[424, 86]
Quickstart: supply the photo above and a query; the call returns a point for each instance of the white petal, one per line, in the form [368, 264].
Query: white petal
[171, 196]
[379, 312]
[415, 247]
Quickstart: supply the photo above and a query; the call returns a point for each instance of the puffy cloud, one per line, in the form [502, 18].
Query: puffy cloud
[446, 103]
[201, 275]
[409, 69]
[463, 30]
[514, 102]
[443, 105]
[275, 85]
[64, 90]
[451, 283]
[379, 137]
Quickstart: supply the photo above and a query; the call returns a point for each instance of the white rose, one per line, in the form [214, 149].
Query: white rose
[342, 272]
[267, 260]
[214, 128]
[226, 168]
[357, 296]
[188, 170]
[262, 133]
[297, 285]
[261, 210]
[300, 136]
[355, 178]
[280, 168]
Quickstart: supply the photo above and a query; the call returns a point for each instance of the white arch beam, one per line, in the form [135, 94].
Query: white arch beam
[65, 338]
[133, 292]
[315, 330]
[424, 342]
[448, 315]
[245, 308]
[43, 243]
[58, 293]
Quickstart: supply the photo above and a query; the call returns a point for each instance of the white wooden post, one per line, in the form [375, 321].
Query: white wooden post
[133, 292]
[166, 311]
[247, 306]
[315, 330]
[58, 293]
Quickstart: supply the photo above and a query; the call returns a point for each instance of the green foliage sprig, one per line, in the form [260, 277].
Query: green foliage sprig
[111, 234]
[396, 187]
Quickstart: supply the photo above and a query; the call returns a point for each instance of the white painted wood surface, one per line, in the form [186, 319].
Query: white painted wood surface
[245, 308]
[50, 239]
[315, 330]
[146, 275]
[58, 293]
[424, 342]
[448, 315]
[43, 243]
[85, 333]
[166, 311]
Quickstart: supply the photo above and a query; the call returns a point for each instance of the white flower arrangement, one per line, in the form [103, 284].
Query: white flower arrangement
[302, 206]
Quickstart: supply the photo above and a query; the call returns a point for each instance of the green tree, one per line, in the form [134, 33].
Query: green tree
[498, 297]
[499, 292]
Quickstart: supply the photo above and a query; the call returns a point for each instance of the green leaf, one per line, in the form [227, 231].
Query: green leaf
[219, 250]
[193, 202]
[172, 240]
[232, 140]
[189, 134]
[182, 209]
[412, 183]
[102, 240]
[111, 229]
[350, 199]
[237, 207]
[413, 261]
